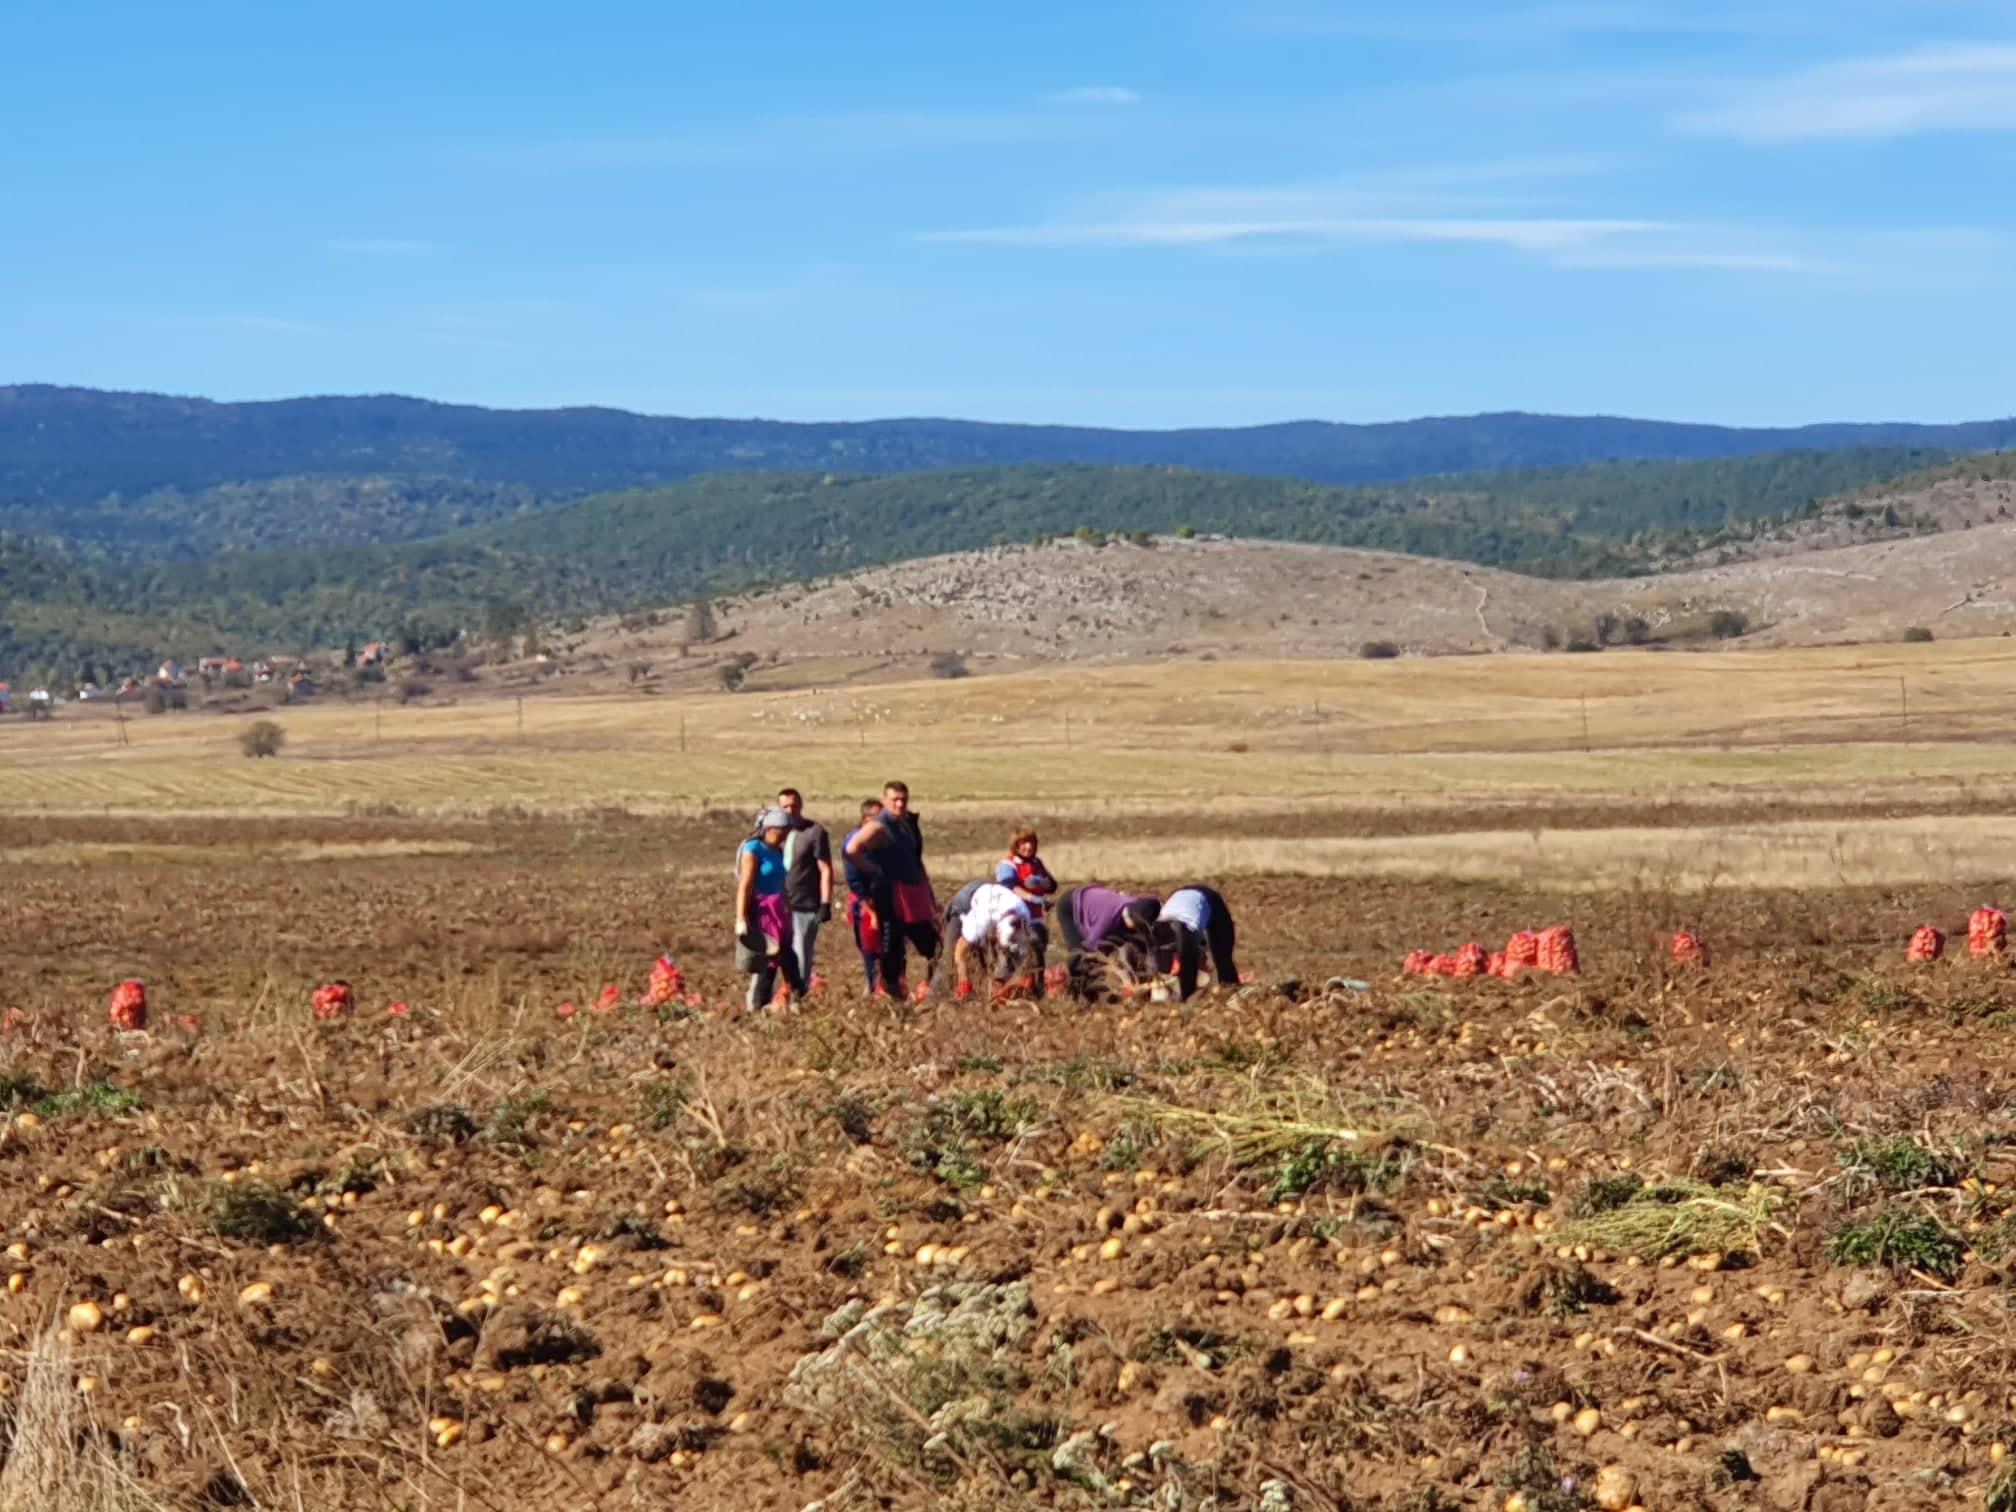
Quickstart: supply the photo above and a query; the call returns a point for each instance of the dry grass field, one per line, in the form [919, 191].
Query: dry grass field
[1718, 1239]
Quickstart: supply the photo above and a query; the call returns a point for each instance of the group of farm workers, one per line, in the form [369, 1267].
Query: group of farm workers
[999, 927]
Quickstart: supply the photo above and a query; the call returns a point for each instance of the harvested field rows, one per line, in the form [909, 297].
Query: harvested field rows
[1727, 1239]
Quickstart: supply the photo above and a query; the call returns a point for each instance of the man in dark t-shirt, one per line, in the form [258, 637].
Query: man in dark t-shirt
[808, 878]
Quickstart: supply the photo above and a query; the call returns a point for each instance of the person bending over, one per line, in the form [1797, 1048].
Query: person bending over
[1101, 925]
[1194, 921]
[987, 919]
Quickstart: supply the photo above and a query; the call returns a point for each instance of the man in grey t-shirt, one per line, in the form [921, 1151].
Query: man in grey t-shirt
[808, 878]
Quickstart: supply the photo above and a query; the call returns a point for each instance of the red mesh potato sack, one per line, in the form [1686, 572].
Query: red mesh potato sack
[668, 983]
[127, 1007]
[1557, 952]
[331, 1000]
[1987, 932]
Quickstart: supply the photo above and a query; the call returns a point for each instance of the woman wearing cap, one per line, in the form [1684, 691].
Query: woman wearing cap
[1101, 924]
[1194, 920]
[762, 916]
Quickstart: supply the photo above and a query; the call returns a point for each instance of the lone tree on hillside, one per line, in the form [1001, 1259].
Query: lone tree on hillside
[734, 672]
[1727, 624]
[700, 625]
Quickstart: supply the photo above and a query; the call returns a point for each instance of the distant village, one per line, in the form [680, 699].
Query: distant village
[169, 684]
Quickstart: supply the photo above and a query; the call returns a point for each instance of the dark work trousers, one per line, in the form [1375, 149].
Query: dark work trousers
[1219, 937]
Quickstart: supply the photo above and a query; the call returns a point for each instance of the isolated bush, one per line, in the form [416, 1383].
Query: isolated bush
[1550, 638]
[1378, 650]
[949, 664]
[263, 739]
[412, 688]
[735, 671]
[1727, 624]
[1636, 631]
[1918, 635]
[154, 701]
[1582, 644]
[1186, 532]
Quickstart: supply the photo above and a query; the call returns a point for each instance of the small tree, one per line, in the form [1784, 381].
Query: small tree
[1918, 635]
[263, 739]
[948, 664]
[350, 652]
[735, 671]
[1378, 650]
[1605, 625]
[1186, 532]
[1727, 624]
[700, 624]
[1636, 631]
[504, 621]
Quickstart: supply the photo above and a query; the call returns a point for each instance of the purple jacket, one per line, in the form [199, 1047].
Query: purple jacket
[1097, 911]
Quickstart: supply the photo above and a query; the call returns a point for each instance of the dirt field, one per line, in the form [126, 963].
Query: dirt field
[1285, 1247]
[1657, 1236]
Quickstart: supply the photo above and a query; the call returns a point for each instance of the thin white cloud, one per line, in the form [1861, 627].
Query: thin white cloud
[1275, 217]
[1310, 220]
[1945, 88]
[1096, 94]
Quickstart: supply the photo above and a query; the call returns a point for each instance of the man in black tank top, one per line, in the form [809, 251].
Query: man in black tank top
[889, 851]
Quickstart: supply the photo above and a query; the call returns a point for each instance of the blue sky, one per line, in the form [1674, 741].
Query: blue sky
[1102, 211]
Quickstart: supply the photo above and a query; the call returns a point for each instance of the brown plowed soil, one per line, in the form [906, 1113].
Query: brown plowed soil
[1295, 1234]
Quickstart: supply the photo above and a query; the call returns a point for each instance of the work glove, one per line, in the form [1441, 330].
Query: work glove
[826, 912]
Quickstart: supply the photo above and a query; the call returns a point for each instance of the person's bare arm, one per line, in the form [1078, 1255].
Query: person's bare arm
[865, 838]
[745, 889]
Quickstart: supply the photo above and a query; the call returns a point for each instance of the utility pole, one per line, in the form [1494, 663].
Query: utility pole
[379, 711]
[1585, 724]
[521, 716]
[1903, 709]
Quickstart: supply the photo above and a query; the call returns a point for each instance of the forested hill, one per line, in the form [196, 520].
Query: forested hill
[732, 530]
[71, 448]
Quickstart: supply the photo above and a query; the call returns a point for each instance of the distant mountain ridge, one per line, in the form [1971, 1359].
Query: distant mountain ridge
[77, 447]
